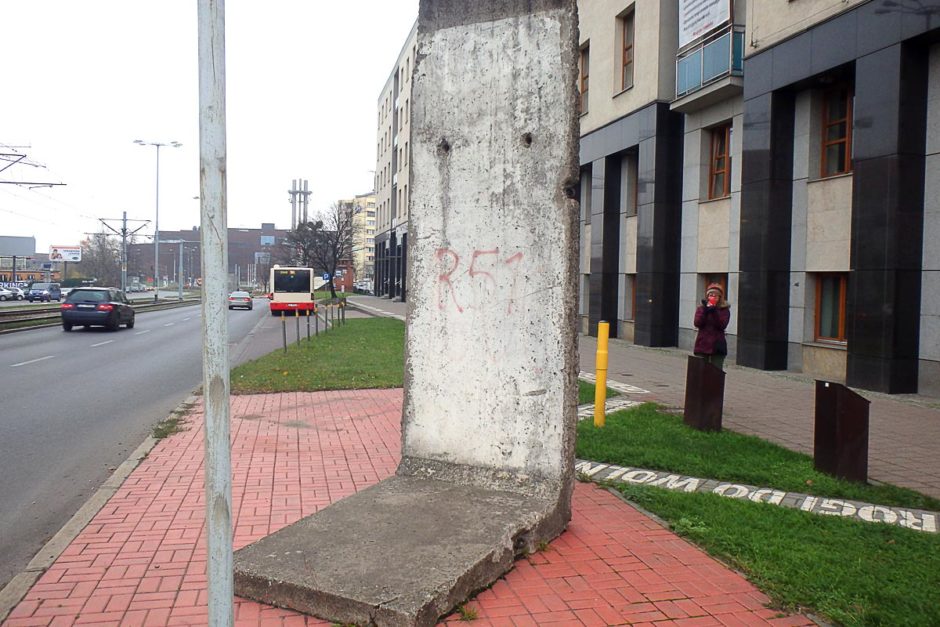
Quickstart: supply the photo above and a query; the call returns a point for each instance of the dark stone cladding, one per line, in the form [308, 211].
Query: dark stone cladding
[655, 135]
[885, 48]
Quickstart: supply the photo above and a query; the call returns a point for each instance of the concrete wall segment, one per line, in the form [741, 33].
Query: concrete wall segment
[491, 360]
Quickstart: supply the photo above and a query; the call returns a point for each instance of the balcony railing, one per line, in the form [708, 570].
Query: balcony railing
[717, 56]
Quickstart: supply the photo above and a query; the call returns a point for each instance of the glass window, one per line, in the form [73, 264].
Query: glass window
[585, 68]
[837, 131]
[629, 308]
[720, 279]
[830, 307]
[719, 175]
[626, 57]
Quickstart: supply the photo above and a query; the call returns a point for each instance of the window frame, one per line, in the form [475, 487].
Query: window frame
[826, 124]
[627, 47]
[584, 76]
[631, 282]
[843, 293]
[721, 278]
[722, 131]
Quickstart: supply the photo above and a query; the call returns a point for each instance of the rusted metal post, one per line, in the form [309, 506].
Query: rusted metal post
[215, 354]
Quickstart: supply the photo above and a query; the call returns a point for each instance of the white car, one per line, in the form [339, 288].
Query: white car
[7, 294]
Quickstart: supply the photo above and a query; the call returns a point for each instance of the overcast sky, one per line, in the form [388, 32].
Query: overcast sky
[82, 79]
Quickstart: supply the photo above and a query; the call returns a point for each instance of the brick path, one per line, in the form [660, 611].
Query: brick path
[141, 561]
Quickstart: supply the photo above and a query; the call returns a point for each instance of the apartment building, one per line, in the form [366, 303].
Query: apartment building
[801, 138]
[787, 150]
[364, 225]
[392, 175]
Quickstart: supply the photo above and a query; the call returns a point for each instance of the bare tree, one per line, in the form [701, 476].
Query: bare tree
[101, 259]
[263, 269]
[335, 240]
[298, 246]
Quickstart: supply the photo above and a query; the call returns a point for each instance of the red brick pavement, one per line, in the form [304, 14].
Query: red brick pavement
[141, 561]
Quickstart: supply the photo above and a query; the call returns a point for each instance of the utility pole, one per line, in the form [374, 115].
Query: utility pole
[299, 202]
[215, 353]
[179, 271]
[123, 232]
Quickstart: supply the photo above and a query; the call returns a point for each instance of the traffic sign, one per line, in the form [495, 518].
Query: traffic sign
[326, 276]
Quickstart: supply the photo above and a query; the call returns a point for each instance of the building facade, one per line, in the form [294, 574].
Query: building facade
[785, 150]
[249, 256]
[363, 235]
[392, 176]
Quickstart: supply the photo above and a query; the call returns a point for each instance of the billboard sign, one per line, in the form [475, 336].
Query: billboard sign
[697, 17]
[65, 253]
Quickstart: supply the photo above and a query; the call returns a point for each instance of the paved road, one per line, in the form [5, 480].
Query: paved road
[73, 406]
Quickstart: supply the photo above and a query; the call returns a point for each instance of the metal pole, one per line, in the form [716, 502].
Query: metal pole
[284, 331]
[297, 324]
[600, 384]
[316, 320]
[308, 325]
[156, 236]
[123, 253]
[179, 274]
[215, 354]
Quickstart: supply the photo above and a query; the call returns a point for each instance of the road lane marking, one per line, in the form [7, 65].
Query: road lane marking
[31, 361]
[101, 343]
[169, 324]
[142, 332]
[187, 319]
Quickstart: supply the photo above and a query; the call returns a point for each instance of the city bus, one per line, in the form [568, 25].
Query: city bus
[291, 290]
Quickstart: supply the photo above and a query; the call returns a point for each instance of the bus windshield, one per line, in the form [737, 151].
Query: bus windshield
[292, 281]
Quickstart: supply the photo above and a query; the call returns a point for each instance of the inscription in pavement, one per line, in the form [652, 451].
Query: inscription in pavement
[918, 520]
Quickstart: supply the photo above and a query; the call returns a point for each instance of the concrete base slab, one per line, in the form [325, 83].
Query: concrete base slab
[404, 552]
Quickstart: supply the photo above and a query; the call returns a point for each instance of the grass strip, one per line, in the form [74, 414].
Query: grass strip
[586, 391]
[647, 437]
[848, 571]
[363, 353]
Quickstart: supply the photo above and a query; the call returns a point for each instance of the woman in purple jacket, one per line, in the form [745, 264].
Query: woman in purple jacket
[711, 320]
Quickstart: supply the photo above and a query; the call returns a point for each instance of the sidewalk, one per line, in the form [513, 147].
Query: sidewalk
[141, 560]
[904, 438]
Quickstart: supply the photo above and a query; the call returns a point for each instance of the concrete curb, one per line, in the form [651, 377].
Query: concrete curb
[374, 310]
[17, 588]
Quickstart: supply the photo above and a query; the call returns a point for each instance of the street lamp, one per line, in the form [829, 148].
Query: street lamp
[156, 223]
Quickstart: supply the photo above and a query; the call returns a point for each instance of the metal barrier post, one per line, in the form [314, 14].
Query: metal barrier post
[284, 330]
[297, 323]
[600, 385]
[316, 320]
[308, 325]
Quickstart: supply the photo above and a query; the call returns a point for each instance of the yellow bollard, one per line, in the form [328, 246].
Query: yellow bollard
[600, 389]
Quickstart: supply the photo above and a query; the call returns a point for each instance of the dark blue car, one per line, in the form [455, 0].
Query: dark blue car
[97, 306]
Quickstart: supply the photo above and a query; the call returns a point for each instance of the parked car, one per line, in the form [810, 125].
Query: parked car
[97, 306]
[18, 293]
[44, 292]
[7, 294]
[240, 299]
